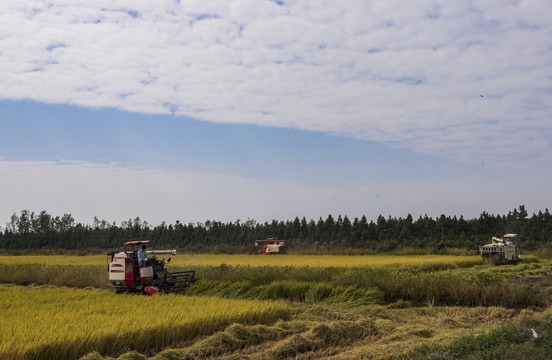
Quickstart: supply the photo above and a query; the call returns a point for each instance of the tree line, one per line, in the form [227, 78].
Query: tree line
[31, 231]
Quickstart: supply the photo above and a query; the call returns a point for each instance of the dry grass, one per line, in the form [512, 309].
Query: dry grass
[335, 332]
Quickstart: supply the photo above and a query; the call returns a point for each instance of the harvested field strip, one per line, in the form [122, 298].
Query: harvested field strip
[335, 332]
[514, 341]
[61, 323]
[428, 262]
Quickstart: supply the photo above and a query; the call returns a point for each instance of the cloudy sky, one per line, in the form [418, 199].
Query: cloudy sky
[237, 109]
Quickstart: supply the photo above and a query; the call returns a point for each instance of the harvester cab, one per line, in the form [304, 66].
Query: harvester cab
[503, 251]
[270, 246]
[126, 275]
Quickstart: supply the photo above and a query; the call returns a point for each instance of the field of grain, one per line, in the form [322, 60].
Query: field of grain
[361, 261]
[279, 307]
[63, 323]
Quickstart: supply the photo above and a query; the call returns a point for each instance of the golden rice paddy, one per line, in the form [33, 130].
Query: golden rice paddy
[63, 323]
[369, 261]
[46, 322]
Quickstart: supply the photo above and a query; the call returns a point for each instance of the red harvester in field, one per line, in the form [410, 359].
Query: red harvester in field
[152, 278]
[271, 246]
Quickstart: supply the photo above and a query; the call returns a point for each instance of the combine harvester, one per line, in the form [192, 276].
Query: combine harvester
[503, 251]
[152, 278]
[271, 246]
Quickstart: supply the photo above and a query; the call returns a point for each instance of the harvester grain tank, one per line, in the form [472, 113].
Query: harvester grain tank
[502, 250]
[126, 275]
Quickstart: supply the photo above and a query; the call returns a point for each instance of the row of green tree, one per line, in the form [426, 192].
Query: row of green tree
[30, 230]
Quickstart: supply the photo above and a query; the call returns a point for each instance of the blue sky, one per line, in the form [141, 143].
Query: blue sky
[269, 110]
[41, 132]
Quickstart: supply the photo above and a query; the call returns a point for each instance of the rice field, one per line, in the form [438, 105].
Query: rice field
[266, 307]
[64, 323]
[318, 261]
[68, 260]
[354, 280]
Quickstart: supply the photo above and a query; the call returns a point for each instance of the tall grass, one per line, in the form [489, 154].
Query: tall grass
[297, 291]
[61, 323]
[445, 283]
[481, 286]
[54, 260]
[60, 275]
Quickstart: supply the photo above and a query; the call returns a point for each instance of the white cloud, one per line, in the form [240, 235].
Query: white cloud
[109, 190]
[115, 193]
[405, 74]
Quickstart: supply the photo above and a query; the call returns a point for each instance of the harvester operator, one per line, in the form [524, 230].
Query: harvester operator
[142, 256]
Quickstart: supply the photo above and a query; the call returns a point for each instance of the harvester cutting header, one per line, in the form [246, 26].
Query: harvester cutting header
[127, 274]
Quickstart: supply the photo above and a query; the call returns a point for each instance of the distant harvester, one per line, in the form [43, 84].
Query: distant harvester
[502, 250]
[271, 246]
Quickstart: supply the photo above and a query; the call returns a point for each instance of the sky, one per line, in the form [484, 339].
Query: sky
[258, 109]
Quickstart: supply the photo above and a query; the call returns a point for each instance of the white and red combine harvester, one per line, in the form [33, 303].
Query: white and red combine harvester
[126, 275]
[271, 246]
